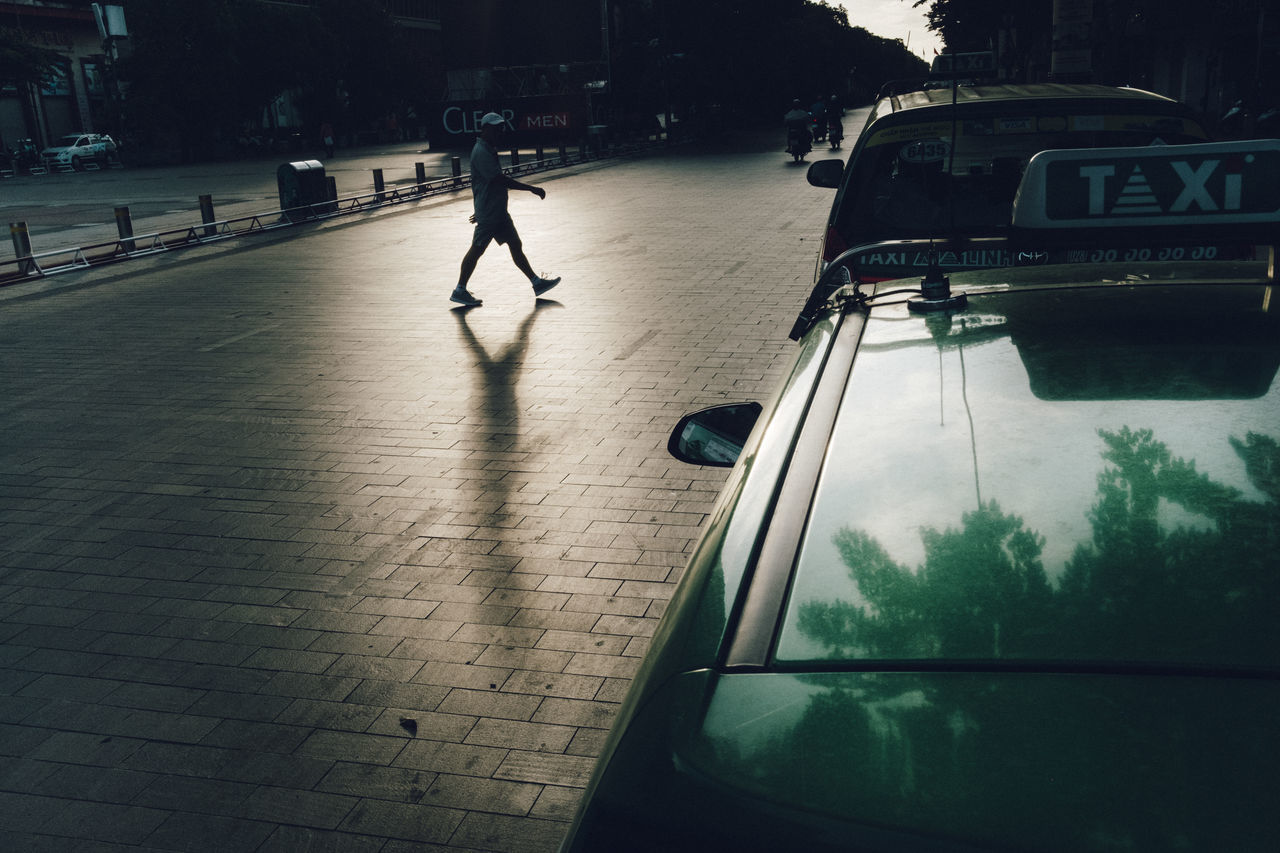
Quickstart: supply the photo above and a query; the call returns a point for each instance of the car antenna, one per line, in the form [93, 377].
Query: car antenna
[936, 286]
[951, 149]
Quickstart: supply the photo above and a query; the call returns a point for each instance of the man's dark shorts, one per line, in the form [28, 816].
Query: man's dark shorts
[502, 230]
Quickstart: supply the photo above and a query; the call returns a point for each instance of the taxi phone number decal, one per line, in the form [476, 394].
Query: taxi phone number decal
[998, 258]
[1178, 253]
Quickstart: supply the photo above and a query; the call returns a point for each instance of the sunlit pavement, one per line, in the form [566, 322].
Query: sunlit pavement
[298, 556]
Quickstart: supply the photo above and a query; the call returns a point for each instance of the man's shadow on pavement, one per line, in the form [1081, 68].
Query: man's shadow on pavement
[497, 410]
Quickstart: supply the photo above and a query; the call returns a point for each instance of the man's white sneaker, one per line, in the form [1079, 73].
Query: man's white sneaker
[542, 285]
[464, 297]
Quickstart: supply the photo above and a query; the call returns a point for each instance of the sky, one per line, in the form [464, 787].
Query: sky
[894, 19]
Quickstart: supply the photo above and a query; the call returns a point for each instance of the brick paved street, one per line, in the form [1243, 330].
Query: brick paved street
[294, 555]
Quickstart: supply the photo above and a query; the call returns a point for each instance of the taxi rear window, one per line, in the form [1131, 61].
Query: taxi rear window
[1084, 476]
[922, 180]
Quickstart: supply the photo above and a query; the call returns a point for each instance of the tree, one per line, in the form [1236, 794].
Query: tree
[196, 72]
[1018, 33]
[23, 62]
[358, 68]
[751, 57]
[1128, 39]
[200, 73]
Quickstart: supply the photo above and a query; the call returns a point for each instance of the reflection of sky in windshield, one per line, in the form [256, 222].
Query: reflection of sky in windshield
[904, 457]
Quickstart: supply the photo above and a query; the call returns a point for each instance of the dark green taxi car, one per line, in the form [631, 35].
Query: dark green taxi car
[998, 568]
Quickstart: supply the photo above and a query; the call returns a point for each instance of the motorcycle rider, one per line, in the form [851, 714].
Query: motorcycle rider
[819, 114]
[835, 127]
[798, 137]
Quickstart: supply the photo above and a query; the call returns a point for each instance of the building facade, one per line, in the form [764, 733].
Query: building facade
[75, 96]
[78, 95]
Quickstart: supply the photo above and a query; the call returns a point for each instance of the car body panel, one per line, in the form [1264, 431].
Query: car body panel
[943, 761]
[1003, 760]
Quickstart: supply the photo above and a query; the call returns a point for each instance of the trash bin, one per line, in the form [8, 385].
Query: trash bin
[598, 138]
[303, 189]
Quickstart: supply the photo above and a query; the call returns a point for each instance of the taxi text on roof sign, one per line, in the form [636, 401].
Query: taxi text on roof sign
[1220, 183]
[947, 64]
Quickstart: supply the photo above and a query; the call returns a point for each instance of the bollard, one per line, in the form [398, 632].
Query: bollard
[124, 224]
[378, 186]
[332, 206]
[457, 171]
[21, 245]
[420, 174]
[538, 154]
[206, 215]
[515, 156]
[564, 155]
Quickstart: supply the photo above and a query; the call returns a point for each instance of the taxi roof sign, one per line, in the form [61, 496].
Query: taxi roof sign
[1215, 183]
[946, 65]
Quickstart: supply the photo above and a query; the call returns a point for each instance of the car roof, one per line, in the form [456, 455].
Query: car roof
[1020, 95]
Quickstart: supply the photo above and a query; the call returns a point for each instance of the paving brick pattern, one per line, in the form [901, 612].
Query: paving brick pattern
[296, 556]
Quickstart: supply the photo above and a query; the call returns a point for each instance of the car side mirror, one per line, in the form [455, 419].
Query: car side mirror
[826, 173]
[714, 436]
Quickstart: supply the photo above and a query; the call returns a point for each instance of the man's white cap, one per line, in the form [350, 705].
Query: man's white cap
[492, 118]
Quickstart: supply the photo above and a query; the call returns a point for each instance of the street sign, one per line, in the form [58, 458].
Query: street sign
[1174, 185]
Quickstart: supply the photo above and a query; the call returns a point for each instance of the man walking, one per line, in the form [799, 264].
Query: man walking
[489, 186]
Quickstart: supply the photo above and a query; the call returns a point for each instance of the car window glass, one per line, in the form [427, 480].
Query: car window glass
[911, 181]
[965, 528]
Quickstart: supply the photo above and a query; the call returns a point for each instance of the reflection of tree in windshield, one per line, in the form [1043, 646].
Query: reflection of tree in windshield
[979, 589]
[1005, 751]
[1203, 593]
[1139, 591]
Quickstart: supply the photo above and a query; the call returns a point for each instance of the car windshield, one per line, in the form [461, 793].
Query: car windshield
[912, 180]
[72, 140]
[954, 521]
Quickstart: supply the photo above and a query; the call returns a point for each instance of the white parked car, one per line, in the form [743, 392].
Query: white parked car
[75, 149]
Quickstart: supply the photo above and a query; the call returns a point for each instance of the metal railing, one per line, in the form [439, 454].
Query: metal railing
[28, 265]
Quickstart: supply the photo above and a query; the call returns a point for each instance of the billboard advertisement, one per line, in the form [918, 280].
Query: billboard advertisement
[540, 120]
